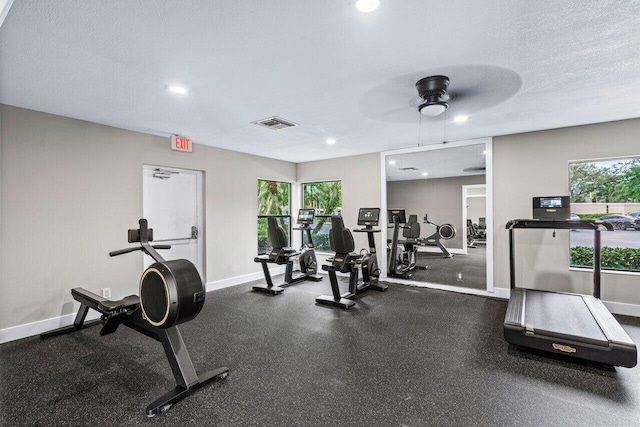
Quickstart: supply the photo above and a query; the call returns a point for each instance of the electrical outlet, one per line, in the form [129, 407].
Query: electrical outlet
[106, 293]
[459, 277]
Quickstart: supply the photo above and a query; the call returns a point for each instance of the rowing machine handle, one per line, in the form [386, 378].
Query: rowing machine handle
[123, 251]
[127, 250]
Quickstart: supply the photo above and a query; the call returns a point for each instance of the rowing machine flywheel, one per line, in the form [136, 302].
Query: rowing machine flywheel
[447, 232]
[171, 292]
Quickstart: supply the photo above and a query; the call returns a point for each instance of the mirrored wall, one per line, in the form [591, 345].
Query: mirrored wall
[442, 237]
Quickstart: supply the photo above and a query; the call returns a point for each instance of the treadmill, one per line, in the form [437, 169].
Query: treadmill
[574, 325]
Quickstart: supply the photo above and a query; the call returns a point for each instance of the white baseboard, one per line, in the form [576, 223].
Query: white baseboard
[238, 280]
[497, 292]
[35, 328]
[623, 308]
[436, 250]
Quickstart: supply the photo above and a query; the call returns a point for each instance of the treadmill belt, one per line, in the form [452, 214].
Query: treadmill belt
[562, 315]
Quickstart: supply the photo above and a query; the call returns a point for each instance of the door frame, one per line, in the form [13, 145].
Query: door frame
[488, 142]
[465, 196]
[200, 211]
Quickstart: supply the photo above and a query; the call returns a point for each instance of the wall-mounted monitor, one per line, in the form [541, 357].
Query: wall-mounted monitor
[369, 216]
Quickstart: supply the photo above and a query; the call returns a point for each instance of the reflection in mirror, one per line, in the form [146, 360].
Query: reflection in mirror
[443, 193]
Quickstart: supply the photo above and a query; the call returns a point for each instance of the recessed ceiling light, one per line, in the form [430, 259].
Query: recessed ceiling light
[460, 118]
[331, 141]
[392, 162]
[366, 6]
[484, 153]
[424, 174]
[177, 89]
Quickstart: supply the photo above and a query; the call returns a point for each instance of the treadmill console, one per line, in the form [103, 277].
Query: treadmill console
[553, 207]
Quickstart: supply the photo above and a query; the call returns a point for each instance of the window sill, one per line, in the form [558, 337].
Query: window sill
[614, 272]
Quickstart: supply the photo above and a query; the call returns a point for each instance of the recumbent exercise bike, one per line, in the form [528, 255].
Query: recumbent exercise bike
[347, 261]
[281, 254]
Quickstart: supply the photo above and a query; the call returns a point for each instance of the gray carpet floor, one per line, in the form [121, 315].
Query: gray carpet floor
[406, 357]
[446, 271]
[472, 267]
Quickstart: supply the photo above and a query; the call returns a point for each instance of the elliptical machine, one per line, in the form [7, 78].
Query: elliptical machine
[281, 254]
[443, 232]
[171, 292]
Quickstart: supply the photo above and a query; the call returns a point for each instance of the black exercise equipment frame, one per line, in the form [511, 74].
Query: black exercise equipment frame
[348, 263]
[281, 256]
[613, 346]
[129, 313]
[394, 269]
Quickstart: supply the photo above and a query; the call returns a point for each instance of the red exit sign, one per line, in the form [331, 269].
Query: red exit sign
[181, 143]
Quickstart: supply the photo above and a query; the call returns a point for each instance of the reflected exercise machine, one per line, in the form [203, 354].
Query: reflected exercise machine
[402, 260]
[443, 232]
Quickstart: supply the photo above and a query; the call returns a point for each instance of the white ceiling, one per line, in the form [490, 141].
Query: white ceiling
[441, 163]
[517, 65]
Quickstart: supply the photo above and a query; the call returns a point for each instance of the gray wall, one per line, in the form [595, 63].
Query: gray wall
[441, 198]
[536, 164]
[360, 176]
[71, 189]
[476, 208]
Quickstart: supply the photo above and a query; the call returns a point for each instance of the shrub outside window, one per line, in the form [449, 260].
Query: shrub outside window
[274, 201]
[326, 198]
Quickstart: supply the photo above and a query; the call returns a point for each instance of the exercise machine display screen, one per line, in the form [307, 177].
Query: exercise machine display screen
[556, 207]
[369, 216]
[550, 202]
[305, 216]
[400, 213]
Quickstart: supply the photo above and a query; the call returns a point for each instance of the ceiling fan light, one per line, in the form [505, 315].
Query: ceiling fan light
[366, 6]
[432, 109]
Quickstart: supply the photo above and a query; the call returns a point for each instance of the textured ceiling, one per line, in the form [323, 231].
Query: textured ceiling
[516, 65]
[442, 163]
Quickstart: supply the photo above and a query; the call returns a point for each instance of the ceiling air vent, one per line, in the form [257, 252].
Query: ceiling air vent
[408, 169]
[275, 123]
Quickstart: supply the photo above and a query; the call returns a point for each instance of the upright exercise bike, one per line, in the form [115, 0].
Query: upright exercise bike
[281, 254]
[171, 292]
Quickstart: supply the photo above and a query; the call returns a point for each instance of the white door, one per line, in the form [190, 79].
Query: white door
[172, 205]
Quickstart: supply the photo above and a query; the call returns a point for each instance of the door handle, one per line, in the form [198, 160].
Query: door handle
[194, 232]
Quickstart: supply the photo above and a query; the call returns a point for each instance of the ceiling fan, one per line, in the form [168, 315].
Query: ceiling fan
[433, 91]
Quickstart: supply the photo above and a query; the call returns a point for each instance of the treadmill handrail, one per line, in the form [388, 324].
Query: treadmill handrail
[595, 225]
[560, 224]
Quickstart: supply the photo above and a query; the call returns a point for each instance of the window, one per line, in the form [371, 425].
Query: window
[326, 198]
[608, 190]
[273, 201]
